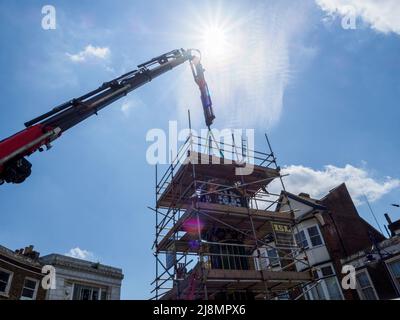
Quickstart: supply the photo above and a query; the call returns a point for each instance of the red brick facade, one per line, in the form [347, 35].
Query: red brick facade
[21, 268]
[344, 231]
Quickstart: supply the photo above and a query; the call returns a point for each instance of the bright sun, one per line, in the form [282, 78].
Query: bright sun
[214, 41]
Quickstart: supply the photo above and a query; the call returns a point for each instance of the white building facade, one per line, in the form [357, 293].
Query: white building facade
[83, 280]
[308, 236]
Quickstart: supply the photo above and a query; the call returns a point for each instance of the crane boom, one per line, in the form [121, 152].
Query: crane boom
[42, 130]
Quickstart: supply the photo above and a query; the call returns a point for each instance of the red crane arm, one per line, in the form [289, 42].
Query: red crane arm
[41, 131]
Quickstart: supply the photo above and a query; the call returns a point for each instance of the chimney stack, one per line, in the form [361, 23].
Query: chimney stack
[29, 252]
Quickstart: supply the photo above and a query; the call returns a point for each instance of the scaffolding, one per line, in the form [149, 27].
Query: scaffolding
[218, 235]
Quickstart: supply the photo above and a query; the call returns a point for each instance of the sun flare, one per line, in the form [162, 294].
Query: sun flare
[214, 41]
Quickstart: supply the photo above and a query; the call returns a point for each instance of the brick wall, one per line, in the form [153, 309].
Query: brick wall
[345, 232]
[20, 273]
[351, 228]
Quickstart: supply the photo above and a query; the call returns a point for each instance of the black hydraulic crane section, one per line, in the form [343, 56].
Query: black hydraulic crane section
[41, 131]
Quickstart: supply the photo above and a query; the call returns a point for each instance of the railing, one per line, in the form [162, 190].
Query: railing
[227, 152]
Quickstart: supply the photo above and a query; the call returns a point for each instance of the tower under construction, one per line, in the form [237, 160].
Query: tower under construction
[218, 236]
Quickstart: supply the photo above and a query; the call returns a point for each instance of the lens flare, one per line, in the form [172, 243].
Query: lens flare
[214, 41]
[192, 226]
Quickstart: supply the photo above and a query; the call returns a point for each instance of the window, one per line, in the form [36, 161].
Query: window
[328, 287]
[301, 239]
[331, 283]
[317, 291]
[311, 238]
[315, 237]
[269, 258]
[273, 257]
[29, 290]
[5, 281]
[395, 270]
[365, 289]
[89, 293]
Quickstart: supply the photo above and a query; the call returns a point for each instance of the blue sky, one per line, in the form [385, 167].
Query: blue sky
[327, 96]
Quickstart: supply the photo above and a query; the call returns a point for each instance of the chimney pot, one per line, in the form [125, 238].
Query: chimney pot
[304, 195]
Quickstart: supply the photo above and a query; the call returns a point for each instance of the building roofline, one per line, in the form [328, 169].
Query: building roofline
[79, 264]
[19, 257]
[333, 190]
[302, 200]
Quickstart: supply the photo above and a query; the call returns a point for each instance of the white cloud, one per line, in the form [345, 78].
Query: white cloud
[80, 254]
[382, 15]
[318, 182]
[90, 52]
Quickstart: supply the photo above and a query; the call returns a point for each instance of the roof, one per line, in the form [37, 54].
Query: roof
[307, 201]
[199, 168]
[19, 258]
[333, 190]
[81, 265]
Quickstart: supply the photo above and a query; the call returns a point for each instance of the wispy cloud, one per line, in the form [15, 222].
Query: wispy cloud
[90, 52]
[131, 104]
[382, 15]
[80, 254]
[317, 183]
